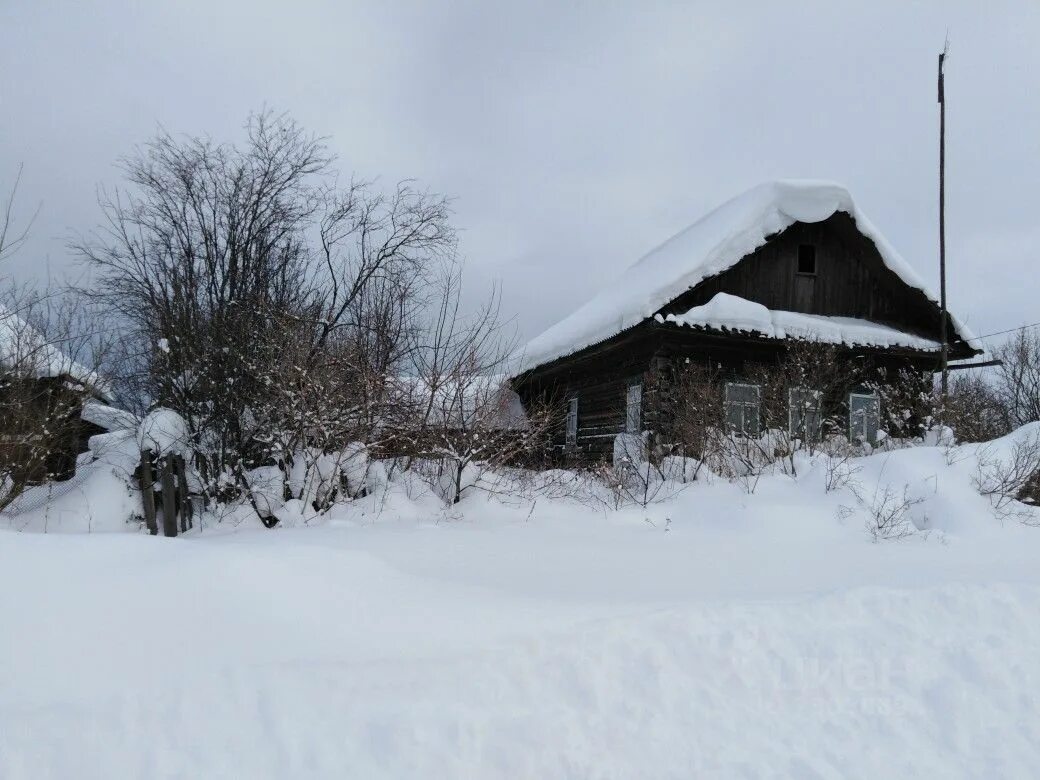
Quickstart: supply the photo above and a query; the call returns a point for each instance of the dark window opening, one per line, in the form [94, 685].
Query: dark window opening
[807, 259]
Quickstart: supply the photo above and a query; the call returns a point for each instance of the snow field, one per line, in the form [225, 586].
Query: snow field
[714, 634]
[309, 658]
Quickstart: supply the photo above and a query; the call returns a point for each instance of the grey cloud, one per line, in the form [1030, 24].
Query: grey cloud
[573, 136]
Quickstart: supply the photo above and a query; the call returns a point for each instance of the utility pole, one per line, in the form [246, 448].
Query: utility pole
[945, 352]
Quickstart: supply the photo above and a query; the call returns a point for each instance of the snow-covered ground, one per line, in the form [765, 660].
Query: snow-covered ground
[714, 634]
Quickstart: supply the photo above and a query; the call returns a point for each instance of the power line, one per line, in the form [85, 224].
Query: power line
[1002, 332]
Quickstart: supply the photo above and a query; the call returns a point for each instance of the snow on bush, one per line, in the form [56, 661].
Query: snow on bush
[354, 464]
[267, 487]
[164, 432]
[680, 469]
[1007, 470]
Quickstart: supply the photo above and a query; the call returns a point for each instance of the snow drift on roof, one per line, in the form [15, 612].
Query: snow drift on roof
[732, 313]
[713, 244]
[22, 344]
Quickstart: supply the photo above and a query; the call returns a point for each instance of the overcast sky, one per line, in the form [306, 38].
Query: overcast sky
[574, 137]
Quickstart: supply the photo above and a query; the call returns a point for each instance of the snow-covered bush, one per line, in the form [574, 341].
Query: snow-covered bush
[355, 464]
[840, 467]
[270, 318]
[164, 432]
[1008, 473]
[974, 409]
[890, 512]
[679, 469]
[1016, 379]
[632, 477]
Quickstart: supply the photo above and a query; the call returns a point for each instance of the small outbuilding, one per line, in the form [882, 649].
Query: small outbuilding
[42, 397]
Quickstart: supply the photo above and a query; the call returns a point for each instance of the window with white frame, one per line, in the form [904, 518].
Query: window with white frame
[572, 421]
[804, 420]
[864, 417]
[634, 409]
[743, 408]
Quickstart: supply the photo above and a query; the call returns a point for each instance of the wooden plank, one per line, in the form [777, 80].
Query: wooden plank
[148, 492]
[184, 499]
[169, 489]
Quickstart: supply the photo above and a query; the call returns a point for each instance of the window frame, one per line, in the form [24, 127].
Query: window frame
[817, 409]
[876, 399]
[634, 403]
[570, 436]
[744, 406]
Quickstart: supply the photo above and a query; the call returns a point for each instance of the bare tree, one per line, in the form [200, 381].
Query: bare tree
[975, 410]
[1017, 378]
[259, 298]
[693, 411]
[800, 402]
[12, 236]
[1010, 479]
[462, 420]
[888, 512]
[49, 353]
[803, 400]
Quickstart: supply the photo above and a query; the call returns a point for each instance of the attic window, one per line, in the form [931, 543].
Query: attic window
[807, 259]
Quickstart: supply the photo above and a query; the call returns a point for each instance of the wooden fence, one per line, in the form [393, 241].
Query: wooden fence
[170, 505]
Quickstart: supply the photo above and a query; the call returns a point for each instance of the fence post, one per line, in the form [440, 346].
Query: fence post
[147, 481]
[184, 500]
[169, 499]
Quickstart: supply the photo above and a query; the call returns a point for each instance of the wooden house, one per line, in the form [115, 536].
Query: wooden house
[786, 260]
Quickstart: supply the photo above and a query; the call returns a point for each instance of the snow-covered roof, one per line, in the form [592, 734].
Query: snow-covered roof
[485, 400]
[708, 247]
[24, 345]
[726, 312]
[108, 417]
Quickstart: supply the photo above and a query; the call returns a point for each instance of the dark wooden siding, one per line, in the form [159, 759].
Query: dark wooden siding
[600, 377]
[600, 381]
[850, 281]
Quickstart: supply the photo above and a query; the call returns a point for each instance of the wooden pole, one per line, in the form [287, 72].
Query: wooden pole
[169, 503]
[945, 353]
[148, 491]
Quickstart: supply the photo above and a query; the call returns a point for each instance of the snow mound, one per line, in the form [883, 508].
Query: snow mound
[730, 312]
[706, 248]
[100, 498]
[163, 431]
[720, 634]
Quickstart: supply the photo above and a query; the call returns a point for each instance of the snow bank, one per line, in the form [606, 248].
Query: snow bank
[732, 313]
[757, 637]
[708, 247]
[100, 497]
